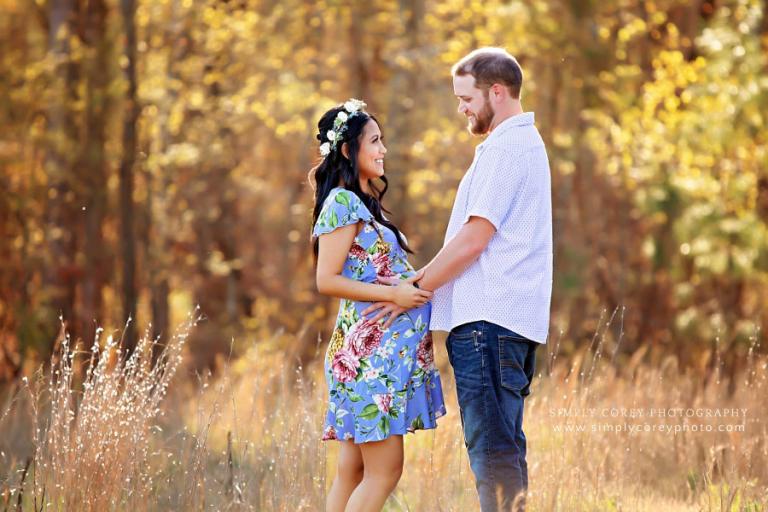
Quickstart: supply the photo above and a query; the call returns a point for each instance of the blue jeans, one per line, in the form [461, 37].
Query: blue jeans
[494, 368]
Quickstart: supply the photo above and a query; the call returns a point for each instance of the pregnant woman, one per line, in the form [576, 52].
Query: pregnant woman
[382, 381]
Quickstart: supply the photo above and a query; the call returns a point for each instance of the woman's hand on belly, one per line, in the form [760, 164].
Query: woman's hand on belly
[382, 309]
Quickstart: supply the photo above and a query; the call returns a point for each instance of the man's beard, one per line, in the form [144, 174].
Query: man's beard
[482, 120]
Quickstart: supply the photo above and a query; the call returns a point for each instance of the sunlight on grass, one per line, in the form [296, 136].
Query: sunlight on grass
[102, 435]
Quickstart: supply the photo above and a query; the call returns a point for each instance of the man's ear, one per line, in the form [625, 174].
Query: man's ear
[499, 91]
[345, 150]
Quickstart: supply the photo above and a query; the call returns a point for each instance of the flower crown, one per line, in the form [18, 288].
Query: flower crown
[336, 135]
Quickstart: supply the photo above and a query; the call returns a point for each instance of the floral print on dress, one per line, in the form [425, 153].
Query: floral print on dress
[380, 382]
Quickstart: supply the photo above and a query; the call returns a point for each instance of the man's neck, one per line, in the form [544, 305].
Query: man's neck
[505, 113]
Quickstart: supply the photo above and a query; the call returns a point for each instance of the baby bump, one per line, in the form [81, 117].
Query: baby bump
[416, 318]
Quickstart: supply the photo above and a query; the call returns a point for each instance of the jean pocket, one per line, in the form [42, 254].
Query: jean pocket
[465, 332]
[457, 344]
[466, 353]
[512, 353]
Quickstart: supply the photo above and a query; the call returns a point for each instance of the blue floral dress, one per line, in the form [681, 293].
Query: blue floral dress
[380, 382]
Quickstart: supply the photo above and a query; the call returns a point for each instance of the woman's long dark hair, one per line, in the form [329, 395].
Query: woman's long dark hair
[336, 170]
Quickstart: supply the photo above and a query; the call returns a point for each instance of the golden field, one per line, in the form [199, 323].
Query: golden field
[604, 433]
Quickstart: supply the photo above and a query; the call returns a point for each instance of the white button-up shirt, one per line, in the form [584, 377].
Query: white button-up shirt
[510, 284]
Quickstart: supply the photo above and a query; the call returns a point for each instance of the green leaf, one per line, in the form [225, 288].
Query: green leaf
[383, 425]
[417, 423]
[369, 412]
[334, 220]
[343, 198]
[355, 397]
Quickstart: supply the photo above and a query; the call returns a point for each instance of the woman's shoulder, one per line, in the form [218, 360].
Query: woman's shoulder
[341, 208]
[342, 195]
[347, 199]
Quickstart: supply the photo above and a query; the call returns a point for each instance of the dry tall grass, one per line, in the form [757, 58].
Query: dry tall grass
[248, 440]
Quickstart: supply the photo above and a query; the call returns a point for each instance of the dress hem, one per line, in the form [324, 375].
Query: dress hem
[391, 433]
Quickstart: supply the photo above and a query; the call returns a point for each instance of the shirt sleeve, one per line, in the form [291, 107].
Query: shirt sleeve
[340, 209]
[497, 182]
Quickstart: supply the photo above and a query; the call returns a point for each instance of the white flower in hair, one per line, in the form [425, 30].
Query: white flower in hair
[335, 135]
[353, 105]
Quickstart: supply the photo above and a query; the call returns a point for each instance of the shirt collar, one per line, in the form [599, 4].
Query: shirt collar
[524, 119]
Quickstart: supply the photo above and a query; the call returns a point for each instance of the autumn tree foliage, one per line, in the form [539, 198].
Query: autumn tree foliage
[154, 156]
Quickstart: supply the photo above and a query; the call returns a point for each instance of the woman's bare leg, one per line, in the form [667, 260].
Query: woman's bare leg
[349, 473]
[383, 465]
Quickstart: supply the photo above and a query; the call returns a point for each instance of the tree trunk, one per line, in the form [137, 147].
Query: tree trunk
[158, 233]
[94, 165]
[61, 272]
[127, 235]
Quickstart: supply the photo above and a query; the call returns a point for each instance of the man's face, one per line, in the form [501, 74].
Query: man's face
[474, 104]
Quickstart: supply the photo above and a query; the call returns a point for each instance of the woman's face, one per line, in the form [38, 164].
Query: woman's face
[370, 158]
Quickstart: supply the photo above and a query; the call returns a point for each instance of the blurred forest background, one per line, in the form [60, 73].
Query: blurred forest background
[153, 156]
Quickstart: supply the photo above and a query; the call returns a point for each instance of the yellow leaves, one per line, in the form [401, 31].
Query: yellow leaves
[562, 139]
[182, 154]
[296, 125]
[649, 248]
[673, 31]
[196, 99]
[607, 77]
[698, 186]
[259, 109]
[565, 167]
[214, 18]
[250, 18]
[626, 159]
[176, 118]
[427, 191]
[35, 70]
[658, 18]
[631, 30]
[628, 71]
[671, 103]
[219, 265]
[404, 62]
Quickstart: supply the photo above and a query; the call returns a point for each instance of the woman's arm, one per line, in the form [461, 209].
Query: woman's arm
[332, 254]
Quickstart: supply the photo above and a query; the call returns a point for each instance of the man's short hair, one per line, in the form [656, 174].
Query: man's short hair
[491, 66]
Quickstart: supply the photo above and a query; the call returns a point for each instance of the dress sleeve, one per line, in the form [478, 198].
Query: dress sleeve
[341, 208]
